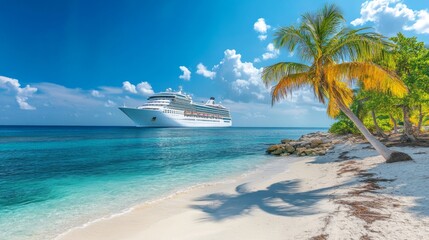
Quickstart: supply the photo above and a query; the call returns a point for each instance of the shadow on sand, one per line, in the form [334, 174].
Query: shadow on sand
[281, 198]
[285, 199]
[410, 177]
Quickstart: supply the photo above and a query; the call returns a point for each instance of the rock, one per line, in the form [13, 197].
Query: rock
[286, 141]
[272, 148]
[315, 142]
[289, 148]
[295, 144]
[309, 152]
[300, 150]
[278, 151]
[312, 144]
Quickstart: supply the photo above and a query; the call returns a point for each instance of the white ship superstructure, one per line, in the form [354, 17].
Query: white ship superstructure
[175, 109]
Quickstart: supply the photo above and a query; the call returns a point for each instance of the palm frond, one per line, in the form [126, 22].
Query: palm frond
[372, 77]
[296, 39]
[288, 84]
[333, 109]
[355, 45]
[279, 70]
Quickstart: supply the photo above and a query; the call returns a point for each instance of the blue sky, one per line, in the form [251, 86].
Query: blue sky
[73, 62]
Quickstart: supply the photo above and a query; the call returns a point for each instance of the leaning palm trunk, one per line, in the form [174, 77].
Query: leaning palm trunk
[377, 128]
[389, 155]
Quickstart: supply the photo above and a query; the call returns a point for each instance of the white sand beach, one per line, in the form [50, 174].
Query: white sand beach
[347, 194]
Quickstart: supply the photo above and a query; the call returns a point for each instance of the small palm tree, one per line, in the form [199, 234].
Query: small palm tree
[334, 58]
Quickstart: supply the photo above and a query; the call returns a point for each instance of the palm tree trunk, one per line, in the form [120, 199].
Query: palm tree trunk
[389, 155]
[395, 124]
[408, 127]
[377, 128]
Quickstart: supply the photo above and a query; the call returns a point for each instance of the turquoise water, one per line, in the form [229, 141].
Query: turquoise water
[56, 178]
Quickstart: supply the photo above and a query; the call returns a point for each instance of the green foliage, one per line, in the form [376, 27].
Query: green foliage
[343, 126]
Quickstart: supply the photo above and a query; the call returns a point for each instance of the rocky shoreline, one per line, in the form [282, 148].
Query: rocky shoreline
[312, 144]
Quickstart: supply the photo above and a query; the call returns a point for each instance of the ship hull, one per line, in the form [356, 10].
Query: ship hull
[156, 118]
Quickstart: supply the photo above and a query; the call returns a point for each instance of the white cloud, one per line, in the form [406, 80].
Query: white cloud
[128, 87]
[256, 60]
[271, 52]
[22, 94]
[186, 73]
[281, 114]
[110, 103]
[319, 109]
[262, 37]
[421, 25]
[60, 96]
[111, 90]
[202, 70]
[261, 27]
[392, 16]
[96, 93]
[145, 88]
[242, 78]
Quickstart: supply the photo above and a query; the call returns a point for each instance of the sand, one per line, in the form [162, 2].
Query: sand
[347, 194]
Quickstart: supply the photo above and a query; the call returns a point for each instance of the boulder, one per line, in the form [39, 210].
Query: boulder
[309, 152]
[286, 141]
[289, 148]
[278, 151]
[315, 142]
[300, 150]
[272, 148]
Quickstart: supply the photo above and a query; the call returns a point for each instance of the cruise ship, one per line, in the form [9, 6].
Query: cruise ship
[175, 109]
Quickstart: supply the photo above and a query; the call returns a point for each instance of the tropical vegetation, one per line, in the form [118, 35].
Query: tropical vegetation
[389, 114]
[334, 60]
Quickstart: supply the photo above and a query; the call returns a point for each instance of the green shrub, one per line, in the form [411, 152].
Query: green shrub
[343, 126]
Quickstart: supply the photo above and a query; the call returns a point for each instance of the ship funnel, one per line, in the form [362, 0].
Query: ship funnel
[211, 101]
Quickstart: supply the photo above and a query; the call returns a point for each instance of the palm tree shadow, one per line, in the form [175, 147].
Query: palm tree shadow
[281, 198]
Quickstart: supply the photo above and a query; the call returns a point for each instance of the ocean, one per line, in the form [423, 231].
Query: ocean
[56, 178]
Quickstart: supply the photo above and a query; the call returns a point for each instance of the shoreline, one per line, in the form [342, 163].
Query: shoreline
[228, 179]
[288, 198]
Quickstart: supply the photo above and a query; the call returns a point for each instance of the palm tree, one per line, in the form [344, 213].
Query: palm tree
[334, 58]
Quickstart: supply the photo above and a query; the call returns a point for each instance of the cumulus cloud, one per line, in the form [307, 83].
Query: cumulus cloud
[186, 73]
[261, 27]
[144, 88]
[202, 70]
[271, 52]
[421, 25]
[243, 78]
[97, 94]
[21, 94]
[392, 16]
[129, 87]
